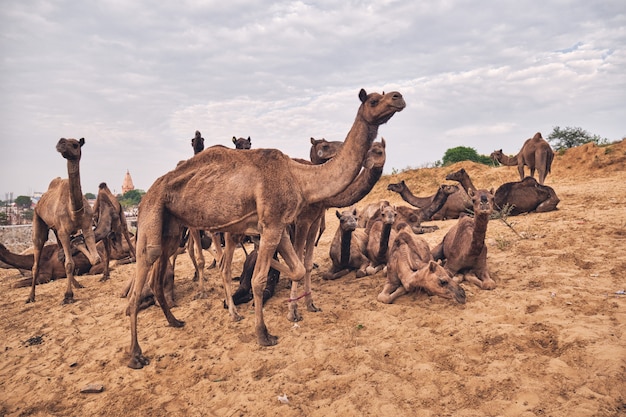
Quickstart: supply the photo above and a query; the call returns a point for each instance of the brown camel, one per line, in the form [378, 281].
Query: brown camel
[378, 233]
[525, 196]
[520, 196]
[457, 202]
[348, 248]
[323, 150]
[63, 209]
[111, 225]
[275, 191]
[242, 143]
[463, 248]
[312, 218]
[411, 267]
[536, 153]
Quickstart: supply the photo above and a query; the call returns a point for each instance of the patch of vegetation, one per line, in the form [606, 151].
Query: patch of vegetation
[464, 153]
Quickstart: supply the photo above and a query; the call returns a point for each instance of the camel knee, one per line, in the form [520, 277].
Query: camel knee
[153, 252]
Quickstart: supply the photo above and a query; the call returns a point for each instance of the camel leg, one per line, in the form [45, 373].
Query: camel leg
[226, 272]
[520, 169]
[390, 292]
[304, 245]
[195, 252]
[308, 263]
[40, 235]
[64, 240]
[107, 257]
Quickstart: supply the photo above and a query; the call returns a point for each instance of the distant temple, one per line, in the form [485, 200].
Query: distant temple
[127, 185]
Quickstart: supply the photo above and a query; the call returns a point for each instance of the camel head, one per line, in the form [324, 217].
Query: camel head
[482, 201]
[458, 175]
[397, 187]
[496, 156]
[323, 150]
[197, 143]
[70, 148]
[347, 220]
[387, 212]
[242, 143]
[438, 282]
[376, 155]
[537, 136]
[376, 109]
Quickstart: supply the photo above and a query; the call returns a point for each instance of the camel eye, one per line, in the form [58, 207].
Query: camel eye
[443, 282]
[374, 102]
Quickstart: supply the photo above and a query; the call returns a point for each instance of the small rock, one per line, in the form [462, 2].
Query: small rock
[92, 389]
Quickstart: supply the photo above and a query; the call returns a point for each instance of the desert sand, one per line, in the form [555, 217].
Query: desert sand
[550, 340]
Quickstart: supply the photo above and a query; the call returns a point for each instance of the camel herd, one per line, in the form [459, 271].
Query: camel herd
[282, 202]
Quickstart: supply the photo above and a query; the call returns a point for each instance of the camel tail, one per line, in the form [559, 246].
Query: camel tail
[549, 159]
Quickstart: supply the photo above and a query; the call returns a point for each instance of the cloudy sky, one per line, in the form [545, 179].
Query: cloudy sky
[136, 79]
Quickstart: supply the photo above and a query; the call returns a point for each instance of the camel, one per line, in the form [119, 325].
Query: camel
[463, 248]
[348, 248]
[323, 150]
[276, 189]
[520, 196]
[525, 196]
[242, 143]
[243, 294]
[536, 153]
[197, 142]
[64, 209]
[457, 203]
[378, 232]
[411, 267]
[111, 225]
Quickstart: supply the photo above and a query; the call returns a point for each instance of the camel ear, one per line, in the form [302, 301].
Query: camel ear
[338, 214]
[362, 95]
[491, 191]
[432, 266]
[382, 141]
[234, 139]
[470, 192]
[354, 211]
[81, 141]
[249, 140]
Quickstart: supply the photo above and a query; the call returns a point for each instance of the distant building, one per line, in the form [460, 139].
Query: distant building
[127, 185]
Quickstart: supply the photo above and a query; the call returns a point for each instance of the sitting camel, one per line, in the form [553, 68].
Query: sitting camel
[526, 196]
[348, 248]
[378, 232]
[276, 189]
[64, 209]
[411, 267]
[536, 153]
[456, 203]
[242, 143]
[521, 196]
[463, 248]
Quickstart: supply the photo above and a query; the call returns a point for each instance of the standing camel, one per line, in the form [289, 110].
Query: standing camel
[64, 209]
[260, 191]
[536, 153]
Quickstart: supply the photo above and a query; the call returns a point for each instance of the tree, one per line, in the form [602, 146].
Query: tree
[464, 153]
[131, 198]
[571, 137]
[90, 196]
[23, 201]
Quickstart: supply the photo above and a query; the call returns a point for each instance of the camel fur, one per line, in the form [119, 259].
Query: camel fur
[260, 191]
[525, 196]
[457, 202]
[463, 248]
[64, 209]
[411, 267]
[348, 248]
[536, 153]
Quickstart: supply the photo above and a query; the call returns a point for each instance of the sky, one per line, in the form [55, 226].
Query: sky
[136, 79]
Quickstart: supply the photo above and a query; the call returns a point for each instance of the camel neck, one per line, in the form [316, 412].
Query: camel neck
[319, 182]
[358, 189]
[478, 236]
[76, 193]
[384, 242]
[346, 240]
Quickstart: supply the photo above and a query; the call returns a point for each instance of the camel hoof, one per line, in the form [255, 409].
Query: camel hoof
[312, 308]
[176, 323]
[30, 300]
[329, 277]
[138, 362]
[294, 316]
[68, 300]
[237, 317]
[78, 284]
[268, 340]
[104, 279]
[488, 285]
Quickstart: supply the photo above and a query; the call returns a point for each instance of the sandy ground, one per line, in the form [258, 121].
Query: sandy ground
[550, 340]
